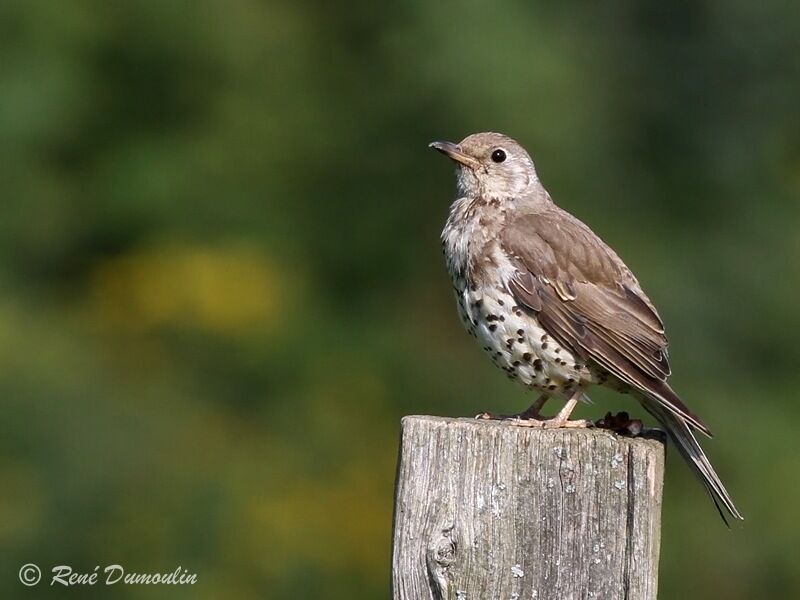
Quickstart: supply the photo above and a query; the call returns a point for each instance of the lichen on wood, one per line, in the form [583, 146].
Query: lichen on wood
[488, 509]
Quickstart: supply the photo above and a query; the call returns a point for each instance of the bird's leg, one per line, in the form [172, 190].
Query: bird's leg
[533, 411]
[562, 418]
[531, 415]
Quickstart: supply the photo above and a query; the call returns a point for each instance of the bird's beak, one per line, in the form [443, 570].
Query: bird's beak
[454, 152]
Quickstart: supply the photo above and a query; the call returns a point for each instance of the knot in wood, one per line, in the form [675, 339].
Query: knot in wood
[480, 514]
[443, 550]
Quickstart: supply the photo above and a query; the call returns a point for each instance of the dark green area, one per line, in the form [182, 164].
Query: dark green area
[222, 284]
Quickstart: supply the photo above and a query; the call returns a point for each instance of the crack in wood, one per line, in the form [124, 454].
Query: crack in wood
[595, 535]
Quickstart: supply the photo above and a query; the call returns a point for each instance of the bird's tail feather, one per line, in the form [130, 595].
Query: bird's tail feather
[683, 437]
[666, 395]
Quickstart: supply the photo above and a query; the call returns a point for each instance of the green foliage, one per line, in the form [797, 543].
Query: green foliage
[222, 283]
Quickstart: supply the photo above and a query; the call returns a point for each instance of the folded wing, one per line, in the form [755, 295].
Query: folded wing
[587, 299]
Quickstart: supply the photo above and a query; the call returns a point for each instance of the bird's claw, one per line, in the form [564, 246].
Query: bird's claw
[542, 423]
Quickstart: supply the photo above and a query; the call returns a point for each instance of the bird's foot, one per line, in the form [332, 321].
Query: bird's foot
[571, 423]
[525, 420]
[561, 420]
[557, 423]
[489, 416]
[529, 414]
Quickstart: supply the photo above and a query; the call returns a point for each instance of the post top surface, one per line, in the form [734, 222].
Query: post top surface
[651, 436]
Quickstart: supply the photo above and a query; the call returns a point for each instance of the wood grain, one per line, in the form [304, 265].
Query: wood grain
[491, 510]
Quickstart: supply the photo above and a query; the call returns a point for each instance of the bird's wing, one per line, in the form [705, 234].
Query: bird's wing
[588, 300]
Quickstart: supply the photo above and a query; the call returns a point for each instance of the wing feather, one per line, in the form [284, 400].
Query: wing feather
[587, 299]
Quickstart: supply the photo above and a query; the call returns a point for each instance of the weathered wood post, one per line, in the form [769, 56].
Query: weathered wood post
[489, 510]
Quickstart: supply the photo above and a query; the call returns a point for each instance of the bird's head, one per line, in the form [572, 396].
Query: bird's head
[490, 164]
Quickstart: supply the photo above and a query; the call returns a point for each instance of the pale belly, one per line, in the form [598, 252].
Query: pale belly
[516, 343]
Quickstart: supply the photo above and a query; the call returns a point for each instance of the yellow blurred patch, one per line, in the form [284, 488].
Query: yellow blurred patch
[338, 523]
[22, 503]
[220, 289]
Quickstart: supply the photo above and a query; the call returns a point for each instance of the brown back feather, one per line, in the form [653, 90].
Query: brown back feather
[588, 300]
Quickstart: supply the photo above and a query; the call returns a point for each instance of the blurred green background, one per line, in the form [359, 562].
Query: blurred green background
[222, 283]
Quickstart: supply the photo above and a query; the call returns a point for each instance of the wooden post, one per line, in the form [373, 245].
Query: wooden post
[489, 510]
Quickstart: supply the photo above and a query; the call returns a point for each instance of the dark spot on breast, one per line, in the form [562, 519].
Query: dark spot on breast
[544, 346]
[478, 303]
[501, 303]
[526, 357]
[544, 338]
[516, 363]
[538, 364]
[492, 327]
[557, 350]
[552, 386]
[520, 340]
[491, 317]
[520, 332]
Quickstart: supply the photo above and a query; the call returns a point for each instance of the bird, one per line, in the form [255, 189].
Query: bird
[552, 304]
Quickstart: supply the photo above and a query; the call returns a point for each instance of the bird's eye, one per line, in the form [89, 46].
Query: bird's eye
[498, 155]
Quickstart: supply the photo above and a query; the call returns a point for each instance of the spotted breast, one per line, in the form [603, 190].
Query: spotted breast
[508, 332]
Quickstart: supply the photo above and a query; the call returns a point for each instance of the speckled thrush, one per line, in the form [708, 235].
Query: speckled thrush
[553, 305]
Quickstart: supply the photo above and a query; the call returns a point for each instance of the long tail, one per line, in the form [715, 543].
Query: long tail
[683, 437]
